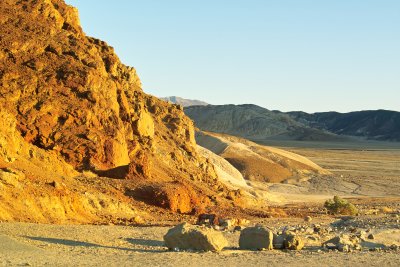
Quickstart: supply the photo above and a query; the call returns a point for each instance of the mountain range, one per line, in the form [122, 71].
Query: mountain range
[258, 123]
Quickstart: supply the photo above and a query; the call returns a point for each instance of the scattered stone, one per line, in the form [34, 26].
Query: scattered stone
[371, 236]
[293, 242]
[256, 238]
[138, 220]
[56, 185]
[278, 242]
[313, 238]
[309, 231]
[217, 228]
[343, 243]
[230, 224]
[237, 228]
[207, 219]
[191, 237]
[307, 219]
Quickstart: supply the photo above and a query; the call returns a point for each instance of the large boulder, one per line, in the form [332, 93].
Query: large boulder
[258, 237]
[186, 236]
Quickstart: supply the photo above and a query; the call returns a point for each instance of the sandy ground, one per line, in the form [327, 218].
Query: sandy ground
[363, 175]
[50, 245]
[365, 169]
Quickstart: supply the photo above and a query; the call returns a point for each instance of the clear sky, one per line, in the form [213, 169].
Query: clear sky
[310, 55]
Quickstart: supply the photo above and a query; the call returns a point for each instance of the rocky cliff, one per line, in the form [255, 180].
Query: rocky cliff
[69, 106]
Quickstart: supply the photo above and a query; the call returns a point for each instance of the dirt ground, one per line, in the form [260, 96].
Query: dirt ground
[369, 178]
[24, 244]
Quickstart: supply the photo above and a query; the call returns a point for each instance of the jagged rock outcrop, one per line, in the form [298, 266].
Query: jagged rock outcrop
[69, 99]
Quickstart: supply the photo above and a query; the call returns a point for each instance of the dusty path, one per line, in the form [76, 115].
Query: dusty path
[53, 245]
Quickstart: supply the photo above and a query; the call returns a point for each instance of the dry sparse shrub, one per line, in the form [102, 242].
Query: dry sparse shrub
[338, 205]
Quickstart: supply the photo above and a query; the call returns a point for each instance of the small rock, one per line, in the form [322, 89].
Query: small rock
[307, 219]
[278, 241]
[237, 228]
[313, 238]
[371, 236]
[342, 243]
[309, 231]
[207, 219]
[56, 185]
[138, 220]
[293, 242]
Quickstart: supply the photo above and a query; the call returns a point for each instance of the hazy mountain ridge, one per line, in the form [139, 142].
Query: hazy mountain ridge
[257, 123]
[184, 102]
[371, 124]
[253, 122]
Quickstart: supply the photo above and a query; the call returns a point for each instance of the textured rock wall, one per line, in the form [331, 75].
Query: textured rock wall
[68, 98]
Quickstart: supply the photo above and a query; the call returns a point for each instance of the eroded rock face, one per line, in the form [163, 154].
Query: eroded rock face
[71, 93]
[67, 100]
[186, 236]
[175, 196]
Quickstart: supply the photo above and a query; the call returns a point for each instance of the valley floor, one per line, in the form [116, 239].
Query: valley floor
[370, 178]
[24, 244]
[363, 169]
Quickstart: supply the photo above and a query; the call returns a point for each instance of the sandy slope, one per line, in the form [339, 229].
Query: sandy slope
[258, 162]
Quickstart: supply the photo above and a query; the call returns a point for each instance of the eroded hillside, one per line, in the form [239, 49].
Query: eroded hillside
[69, 107]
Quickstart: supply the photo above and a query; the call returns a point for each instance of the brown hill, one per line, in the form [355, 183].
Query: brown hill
[257, 162]
[70, 110]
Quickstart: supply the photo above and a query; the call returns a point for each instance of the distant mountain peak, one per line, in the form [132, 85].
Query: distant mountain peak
[184, 102]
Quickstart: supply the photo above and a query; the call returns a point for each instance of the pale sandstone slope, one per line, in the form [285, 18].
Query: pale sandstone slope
[257, 162]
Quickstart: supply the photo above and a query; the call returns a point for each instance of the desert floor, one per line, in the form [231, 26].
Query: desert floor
[369, 177]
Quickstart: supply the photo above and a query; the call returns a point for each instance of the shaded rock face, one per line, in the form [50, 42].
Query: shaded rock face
[71, 93]
[176, 197]
[186, 236]
[68, 99]
[256, 238]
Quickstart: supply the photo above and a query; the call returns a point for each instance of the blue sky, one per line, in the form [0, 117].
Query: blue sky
[310, 55]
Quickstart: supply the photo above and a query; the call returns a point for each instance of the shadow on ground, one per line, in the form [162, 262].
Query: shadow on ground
[145, 242]
[74, 243]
